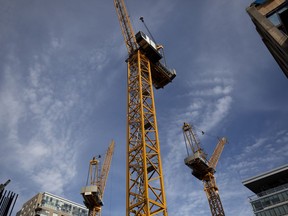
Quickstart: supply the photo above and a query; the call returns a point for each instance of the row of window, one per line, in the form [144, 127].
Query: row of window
[270, 200]
[277, 211]
[59, 205]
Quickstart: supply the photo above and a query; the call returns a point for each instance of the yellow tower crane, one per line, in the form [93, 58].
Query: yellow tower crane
[204, 169]
[95, 186]
[145, 194]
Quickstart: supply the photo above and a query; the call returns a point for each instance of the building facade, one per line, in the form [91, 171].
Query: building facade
[270, 192]
[270, 18]
[47, 204]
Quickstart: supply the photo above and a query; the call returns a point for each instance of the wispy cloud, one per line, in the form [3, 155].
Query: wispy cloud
[257, 155]
[39, 114]
[217, 90]
[34, 138]
[209, 103]
[261, 154]
[257, 145]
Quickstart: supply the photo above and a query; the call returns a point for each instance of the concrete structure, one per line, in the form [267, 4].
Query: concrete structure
[271, 20]
[271, 192]
[47, 204]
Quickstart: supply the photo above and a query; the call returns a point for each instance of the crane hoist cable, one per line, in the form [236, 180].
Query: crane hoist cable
[142, 20]
[206, 133]
[159, 47]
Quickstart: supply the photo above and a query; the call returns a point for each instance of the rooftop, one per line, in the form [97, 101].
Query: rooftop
[267, 180]
[64, 200]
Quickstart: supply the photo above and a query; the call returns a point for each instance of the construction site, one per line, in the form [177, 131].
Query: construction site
[208, 125]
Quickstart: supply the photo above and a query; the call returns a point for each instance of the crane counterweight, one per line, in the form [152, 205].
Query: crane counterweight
[199, 165]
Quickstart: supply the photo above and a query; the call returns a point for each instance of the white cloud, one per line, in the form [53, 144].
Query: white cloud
[192, 197]
[217, 90]
[11, 108]
[209, 107]
[217, 112]
[38, 128]
[263, 154]
[230, 174]
[260, 142]
[282, 137]
[56, 43]
[52, 179]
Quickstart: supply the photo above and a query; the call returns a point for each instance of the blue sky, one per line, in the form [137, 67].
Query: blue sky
[63, 98]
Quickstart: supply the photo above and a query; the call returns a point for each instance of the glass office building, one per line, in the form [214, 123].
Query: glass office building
[270, 18]
[47, 204]
[270, 192]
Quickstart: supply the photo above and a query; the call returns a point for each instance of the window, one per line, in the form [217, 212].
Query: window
[285, 207]
[257, 205]
[284, 19]
[279, 18]
[282, 210]
[275, 199]
[277, 211]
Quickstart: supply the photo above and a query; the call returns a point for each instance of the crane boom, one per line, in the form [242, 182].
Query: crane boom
[106, 167]
[126, 27]
[217, 153]
[203, 169]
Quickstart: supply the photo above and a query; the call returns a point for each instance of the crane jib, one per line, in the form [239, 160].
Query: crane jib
[126, 26]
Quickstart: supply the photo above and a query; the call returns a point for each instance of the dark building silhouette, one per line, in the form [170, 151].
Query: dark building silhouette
[7, 200]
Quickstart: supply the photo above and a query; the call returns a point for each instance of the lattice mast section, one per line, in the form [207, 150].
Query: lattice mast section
[145, 184]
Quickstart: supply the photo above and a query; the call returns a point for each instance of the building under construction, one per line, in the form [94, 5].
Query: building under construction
[270, 18]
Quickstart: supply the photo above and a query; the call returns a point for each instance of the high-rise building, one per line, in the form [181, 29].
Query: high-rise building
[271, 20]
[270, 192]
[47, 204]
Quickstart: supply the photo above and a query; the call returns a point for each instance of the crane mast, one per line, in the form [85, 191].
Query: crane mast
[203, 169]
[145, 194]
[94, 191]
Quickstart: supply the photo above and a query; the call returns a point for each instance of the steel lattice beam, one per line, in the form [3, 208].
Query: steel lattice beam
[145, 184]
